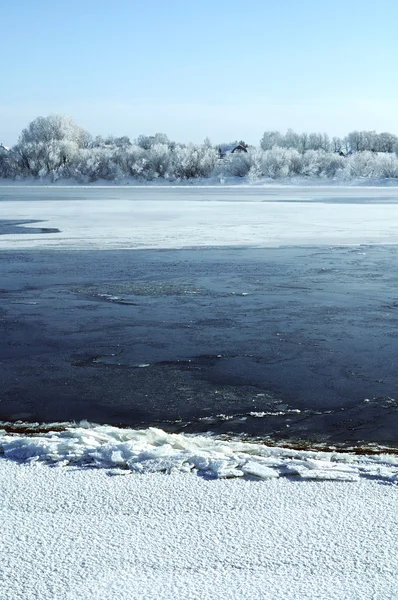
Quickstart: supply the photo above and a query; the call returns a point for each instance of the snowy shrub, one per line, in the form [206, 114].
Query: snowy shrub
[159, 160]
[42, 159]
[310, 163]
[208, 160]
[273, 163]
[95, 163]
[131, 161]
[193, 161]
[146, 164]
[387, 166]
[288, 162]
[237, 164]
[360, 164]
[318, 163]
[330, 164]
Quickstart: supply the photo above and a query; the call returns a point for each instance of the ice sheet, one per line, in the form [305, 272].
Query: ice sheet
[163, 218]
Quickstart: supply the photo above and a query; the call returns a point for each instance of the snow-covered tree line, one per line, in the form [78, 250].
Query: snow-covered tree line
[356, 141]
[54, 148]
[279, 163]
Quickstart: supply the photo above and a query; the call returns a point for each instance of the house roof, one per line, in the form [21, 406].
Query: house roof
[230, 148]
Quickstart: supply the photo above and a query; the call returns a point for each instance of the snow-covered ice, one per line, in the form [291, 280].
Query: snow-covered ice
[112, 218]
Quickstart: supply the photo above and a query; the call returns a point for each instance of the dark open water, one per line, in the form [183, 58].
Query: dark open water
[287, 344]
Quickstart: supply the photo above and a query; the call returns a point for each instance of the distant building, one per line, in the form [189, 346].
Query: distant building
[223, 151]
[2, 147]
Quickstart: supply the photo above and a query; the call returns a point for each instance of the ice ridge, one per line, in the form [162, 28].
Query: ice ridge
[153, 450]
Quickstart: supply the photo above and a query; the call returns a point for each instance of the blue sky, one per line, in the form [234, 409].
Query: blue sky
[225, 69]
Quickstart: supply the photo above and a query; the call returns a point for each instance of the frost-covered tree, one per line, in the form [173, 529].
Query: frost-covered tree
[362, 141]
[47, 145]
[147, 141]
[304, 142]
[298, 141]
[354, 141]
[319, 141]
[271, 139]
[387, 142]
[337, 145]
[144, 141]
[291, 140]
[5, 165]
[54, 128]
[122, 142]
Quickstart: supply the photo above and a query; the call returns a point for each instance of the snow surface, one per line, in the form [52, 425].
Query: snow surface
[98, 218]
[74, 534]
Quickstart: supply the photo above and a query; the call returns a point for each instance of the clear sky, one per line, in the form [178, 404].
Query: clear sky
[226, 69]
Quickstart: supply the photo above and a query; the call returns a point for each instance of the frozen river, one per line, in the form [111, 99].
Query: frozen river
[181, 217]
[265, 311]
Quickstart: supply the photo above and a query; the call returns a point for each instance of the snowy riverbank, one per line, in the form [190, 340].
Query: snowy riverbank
[75, 534]
[205, 182]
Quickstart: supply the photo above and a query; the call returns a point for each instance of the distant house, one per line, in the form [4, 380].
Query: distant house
[223, 151]
[2, 147]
